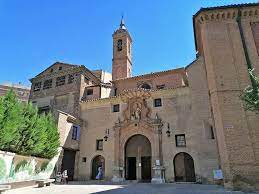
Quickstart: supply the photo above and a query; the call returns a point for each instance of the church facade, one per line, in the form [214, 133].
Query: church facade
[169, 126]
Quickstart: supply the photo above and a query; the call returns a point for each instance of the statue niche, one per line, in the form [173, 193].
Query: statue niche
[137, 109]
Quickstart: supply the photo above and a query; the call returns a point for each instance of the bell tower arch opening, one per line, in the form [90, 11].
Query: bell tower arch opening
[138, 155]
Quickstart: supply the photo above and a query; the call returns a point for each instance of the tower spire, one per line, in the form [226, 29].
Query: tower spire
[122, 24]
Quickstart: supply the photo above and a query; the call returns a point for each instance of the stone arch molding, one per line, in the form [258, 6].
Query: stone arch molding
[131, 131]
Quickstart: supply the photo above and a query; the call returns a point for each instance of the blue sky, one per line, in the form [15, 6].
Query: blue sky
[36, 33]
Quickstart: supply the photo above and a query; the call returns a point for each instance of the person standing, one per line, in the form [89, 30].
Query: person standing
[100, 173]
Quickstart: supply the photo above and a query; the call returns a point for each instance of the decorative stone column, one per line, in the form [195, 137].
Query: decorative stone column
[118, 167]
[158, 169]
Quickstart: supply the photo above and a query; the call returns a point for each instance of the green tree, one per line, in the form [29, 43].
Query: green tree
[10, 121]
[250, 95]
[41, 136]
[51, 147]
[24, 131]
[28, 130]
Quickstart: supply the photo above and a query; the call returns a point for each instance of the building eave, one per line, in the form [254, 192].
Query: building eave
[178, 70]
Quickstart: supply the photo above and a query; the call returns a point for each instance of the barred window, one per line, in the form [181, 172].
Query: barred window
[116, 108]
[89, 92]
[47, 84]
[37, 86]
[60, 80]
[70, 78]
[180, 140]
[99, 144]
[157, 102]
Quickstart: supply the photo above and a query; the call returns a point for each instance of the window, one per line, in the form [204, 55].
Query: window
[212, 133]
[44, 110]
[60, 80]
[157, 102]
[37, 86]
[99, 144]
[47, 84]
[180, 140]
[21, 93]
[75, 132]
[160, 86]
[146, 86]
[116, 108]
[115, 91]
[89, 92]
[119, 45]
[70, 78]
[87, 79]
[51, 70]
[84, 159]
[60, 68]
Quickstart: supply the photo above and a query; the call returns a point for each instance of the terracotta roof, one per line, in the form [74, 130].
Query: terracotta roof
[18, 86]
[72, 66]
[151, 74]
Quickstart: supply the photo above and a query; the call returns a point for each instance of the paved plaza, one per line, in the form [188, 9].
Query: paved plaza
[137, 188]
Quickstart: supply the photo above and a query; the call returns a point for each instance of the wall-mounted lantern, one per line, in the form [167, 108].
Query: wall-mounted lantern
[107, 131]
[168, 132]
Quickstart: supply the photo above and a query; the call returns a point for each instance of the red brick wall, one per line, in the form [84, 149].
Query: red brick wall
[255, 31]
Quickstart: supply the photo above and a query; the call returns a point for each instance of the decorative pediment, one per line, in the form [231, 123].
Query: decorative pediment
[136, 105]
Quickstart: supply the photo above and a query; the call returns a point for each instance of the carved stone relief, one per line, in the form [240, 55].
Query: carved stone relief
[136, 105]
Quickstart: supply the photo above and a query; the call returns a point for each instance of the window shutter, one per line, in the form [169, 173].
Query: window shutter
[78, 133]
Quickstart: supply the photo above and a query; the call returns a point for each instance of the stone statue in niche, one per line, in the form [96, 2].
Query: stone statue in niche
[136, 112]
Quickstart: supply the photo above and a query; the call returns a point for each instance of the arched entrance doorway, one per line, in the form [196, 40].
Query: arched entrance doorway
[138, 158]
[184, 168]
[96, 163]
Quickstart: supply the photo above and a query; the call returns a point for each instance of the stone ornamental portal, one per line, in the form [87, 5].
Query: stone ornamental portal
[137, 126]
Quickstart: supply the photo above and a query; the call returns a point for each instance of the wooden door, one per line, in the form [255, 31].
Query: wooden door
[146, 168]
[68, 163]
[131, 168]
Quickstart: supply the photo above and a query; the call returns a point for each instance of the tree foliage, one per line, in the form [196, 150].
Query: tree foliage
[24, 131]
[250, 95]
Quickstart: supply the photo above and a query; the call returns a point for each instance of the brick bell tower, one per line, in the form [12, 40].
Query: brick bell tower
[122, 53]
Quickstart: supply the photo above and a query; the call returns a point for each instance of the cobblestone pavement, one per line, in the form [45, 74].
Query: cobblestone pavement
[131, 188]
